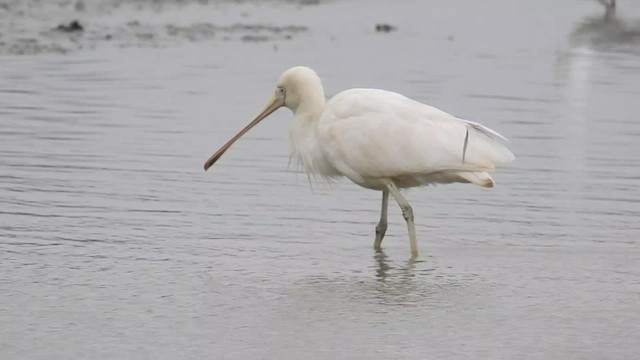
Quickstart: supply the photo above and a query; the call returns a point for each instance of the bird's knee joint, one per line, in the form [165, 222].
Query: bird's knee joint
[407, 212]
[381, 228]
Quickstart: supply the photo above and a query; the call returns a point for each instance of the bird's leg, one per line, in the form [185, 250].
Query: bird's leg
[381, 228]
[407, 213]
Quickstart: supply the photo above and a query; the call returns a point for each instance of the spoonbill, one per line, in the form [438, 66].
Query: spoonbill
[380, 140]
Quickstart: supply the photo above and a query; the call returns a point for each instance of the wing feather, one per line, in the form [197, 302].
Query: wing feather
[375, 133]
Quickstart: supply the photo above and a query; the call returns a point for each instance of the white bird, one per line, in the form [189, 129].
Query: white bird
[380, 140]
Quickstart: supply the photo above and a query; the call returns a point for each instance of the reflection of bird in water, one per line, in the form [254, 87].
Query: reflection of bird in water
[383, 267]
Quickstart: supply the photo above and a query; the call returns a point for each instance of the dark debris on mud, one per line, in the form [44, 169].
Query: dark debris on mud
[63, 26]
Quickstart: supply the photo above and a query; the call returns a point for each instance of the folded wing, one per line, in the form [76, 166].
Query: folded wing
[380, 134]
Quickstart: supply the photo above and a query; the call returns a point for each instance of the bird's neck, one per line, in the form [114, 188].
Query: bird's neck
[311, 104]
[303, 136]
[305, 147]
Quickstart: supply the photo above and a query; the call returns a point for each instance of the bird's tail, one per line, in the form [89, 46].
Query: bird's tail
[480, 178]
[486, 147]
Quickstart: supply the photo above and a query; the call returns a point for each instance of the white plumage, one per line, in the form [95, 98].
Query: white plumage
[372, 136]
[381, 140]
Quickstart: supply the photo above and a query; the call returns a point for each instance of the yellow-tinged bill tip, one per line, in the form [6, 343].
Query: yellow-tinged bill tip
[273, 105]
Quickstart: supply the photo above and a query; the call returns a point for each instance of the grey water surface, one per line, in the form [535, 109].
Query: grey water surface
[115, 244]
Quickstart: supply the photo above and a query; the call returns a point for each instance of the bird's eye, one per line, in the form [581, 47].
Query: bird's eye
[280, 91]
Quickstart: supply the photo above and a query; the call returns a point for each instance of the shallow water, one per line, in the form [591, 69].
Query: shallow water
[115, 244]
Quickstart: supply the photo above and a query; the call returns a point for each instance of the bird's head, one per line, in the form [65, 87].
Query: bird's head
[296, 86]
